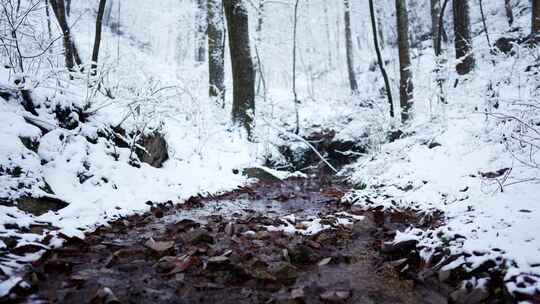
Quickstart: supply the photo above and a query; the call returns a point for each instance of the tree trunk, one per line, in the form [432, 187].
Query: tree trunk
[201, 22]
[328, 39]
[49, 28]
[242, 65]
[509, 12]
[295, 94]
[535, 27]
[68, 7]
[462, 40]
[405, 82]
[97, 38]
[379, 57]
[216, 50]
[435, 12]
[59, 10]
[349, 47]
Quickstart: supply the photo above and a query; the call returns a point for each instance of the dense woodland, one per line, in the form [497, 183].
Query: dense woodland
[269, 151]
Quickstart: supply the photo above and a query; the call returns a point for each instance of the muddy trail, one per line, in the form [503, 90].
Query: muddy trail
[281, 242]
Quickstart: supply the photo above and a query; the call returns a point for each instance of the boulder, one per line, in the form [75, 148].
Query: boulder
[154, 149]
[40, 205]
[265, 176]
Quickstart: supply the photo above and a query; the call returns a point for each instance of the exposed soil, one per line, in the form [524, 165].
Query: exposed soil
[221, 250]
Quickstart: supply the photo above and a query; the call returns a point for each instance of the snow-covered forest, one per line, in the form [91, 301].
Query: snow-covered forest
[269, 151]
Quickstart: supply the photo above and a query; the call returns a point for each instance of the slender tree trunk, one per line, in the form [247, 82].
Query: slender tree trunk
[60, 13]
[439, 59]
[484, 22]
[216, 50]
[462, 33]
[435, 11]
[243, 109]
[295, 94]
[509, 12]
[405, 82]
[49, 28]
[379, 57]
[535, 26]
[68, 7]
[327, 32]
[349, 47]
[76, 56]
[260, 16]
[97, 38]
[202, 8]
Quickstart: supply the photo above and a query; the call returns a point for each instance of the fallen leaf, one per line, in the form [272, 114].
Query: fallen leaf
[159, 246]
[325, 261]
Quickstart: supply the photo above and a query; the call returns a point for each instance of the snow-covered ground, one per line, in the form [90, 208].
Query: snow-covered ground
[476, 162]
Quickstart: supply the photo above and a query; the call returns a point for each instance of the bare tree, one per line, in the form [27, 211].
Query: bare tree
[509, 12]
[462, 40]
[349, 47]
[243, 73]
[535, 22]
[97, 38]
[379, 57]
[405, 82]
[216, 49]
[71, 53]
[435, 14]
[295, 94]
[201, 22]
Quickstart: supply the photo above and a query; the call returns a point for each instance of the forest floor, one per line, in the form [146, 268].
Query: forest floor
[275, 242]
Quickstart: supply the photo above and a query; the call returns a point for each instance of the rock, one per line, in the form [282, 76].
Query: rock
[185, 225]
[434, 144]
[30, 143]
[464, 296]
[444, 275]
[297, 294]
[335, 296]
[155, 151]
[261, 174]
[198, 236]
[395, 135]
[400, 247]
[8, 93]
[159, 247]
[104, 296]
[506, 45]
[284, 271]
[10, 241]
[365, 226]
[302, 254]
[40, 205]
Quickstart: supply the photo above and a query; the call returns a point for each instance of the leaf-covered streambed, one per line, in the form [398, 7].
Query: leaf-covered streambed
[280, 242]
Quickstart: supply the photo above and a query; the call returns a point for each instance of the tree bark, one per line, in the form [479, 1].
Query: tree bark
[216, 49]
[435, 24]
[405, 82]
[349, 47]
[295, 94]
[200, 52]
[509, 12]
[97, 38]
[243, 109]
[462, 40]
[379, 57]
[535, 26]
[59, 11]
